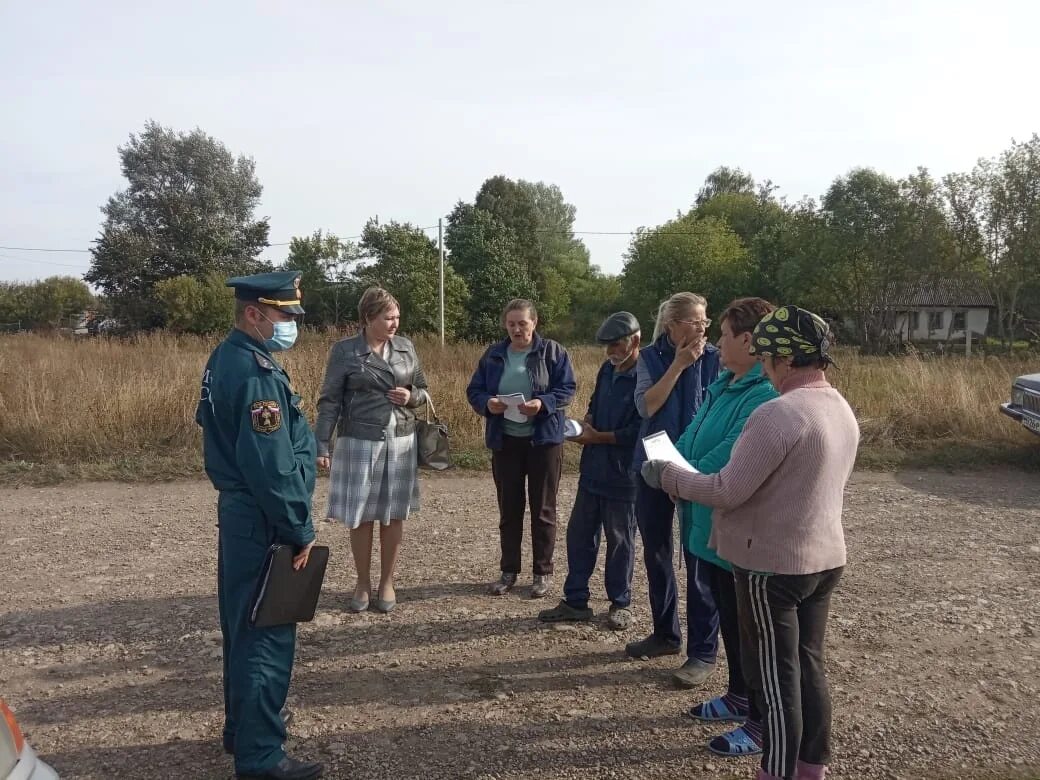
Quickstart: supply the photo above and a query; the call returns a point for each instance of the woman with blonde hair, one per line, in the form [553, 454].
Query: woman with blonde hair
[373, 383]
[672, 376]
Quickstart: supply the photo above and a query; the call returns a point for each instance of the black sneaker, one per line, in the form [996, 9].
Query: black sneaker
[564, 612]
[504, 584]
[652, 647]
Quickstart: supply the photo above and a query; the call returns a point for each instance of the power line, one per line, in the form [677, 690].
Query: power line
[550, 231]
[39, 249]
[40, 262]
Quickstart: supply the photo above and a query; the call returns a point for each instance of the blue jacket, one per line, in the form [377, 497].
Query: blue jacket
[606, 468]
[682, 403]
[552, 380]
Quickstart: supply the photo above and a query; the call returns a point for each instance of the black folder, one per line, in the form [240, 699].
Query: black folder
[283, 595]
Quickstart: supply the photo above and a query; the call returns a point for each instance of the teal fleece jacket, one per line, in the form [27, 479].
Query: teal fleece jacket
[708, 442]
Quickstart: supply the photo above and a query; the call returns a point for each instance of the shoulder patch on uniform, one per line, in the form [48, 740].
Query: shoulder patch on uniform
[266, 416]
[263, 362]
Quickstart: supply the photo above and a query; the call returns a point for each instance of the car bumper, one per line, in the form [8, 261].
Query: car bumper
[29, 767]
[1011, 411]
[1030, 421]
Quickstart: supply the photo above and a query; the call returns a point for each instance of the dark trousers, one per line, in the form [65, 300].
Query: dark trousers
[591, 517]
[783, 623]
[655, 513]
[257, 661]
[724, 591]
[524, 473]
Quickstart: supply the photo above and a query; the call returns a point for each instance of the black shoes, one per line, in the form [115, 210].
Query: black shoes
[289, 768]
[652, 647]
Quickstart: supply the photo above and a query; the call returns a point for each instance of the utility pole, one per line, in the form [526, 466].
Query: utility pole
[440, 249]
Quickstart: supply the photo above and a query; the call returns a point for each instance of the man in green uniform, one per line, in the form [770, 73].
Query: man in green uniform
[260, 454]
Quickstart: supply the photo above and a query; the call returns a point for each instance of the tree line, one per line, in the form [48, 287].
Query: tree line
[186, 221]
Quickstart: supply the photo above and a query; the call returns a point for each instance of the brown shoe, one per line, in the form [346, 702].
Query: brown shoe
[542, 583]
[504, 584]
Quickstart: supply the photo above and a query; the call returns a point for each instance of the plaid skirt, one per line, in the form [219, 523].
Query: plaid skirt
[373, 481]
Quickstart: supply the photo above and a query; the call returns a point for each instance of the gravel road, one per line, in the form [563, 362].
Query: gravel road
[110, 646]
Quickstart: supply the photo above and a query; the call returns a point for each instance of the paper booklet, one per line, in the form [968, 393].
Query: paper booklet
[512, 413]
[660, 447]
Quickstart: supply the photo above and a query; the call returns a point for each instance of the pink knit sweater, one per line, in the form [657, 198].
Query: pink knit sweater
[778, 501]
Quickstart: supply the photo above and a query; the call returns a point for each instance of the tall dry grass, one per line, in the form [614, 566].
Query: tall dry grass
[96, 401]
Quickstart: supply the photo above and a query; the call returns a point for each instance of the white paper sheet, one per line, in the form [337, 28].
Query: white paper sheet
[660, 447]
[512, 413]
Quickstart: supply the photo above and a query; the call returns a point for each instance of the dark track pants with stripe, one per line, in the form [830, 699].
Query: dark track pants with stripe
[783, 623]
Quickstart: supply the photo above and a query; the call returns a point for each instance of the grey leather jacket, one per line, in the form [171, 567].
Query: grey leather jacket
[354, 391]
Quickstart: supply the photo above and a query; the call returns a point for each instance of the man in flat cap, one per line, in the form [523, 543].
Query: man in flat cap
[260, 454]
[605, 504]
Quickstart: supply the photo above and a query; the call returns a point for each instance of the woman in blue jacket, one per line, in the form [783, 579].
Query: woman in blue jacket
[526, 440]
[672, 375]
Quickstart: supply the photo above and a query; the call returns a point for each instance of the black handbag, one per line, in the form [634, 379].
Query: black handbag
[431, 436]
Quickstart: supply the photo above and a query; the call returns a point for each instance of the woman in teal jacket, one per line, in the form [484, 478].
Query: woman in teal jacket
[707, 444]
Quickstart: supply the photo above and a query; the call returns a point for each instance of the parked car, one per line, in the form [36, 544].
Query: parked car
[18, 761]
[1024, 405]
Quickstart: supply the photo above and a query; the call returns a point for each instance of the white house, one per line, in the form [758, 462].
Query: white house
[946, 310]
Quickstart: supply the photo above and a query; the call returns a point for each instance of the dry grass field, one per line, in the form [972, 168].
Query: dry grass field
[97, 408]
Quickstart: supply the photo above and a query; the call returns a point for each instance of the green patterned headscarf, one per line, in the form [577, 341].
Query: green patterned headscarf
[795, 333]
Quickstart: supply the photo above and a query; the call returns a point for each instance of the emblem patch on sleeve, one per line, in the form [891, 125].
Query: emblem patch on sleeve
[266, 416]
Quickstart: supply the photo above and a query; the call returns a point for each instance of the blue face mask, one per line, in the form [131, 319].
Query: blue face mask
[284, 335]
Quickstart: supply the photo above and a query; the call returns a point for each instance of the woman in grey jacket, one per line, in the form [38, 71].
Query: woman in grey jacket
[373, 382]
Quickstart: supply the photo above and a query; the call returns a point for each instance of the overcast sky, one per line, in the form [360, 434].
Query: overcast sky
[353, 109]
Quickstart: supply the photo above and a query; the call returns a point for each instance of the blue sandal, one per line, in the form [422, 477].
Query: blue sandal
[735, 743]
[717, 709]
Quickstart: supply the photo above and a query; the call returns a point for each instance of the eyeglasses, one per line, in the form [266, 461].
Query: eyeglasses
[702, 323]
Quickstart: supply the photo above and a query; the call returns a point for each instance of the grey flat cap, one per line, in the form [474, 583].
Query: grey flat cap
[617, 326]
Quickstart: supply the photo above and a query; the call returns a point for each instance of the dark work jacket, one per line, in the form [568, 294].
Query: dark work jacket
[682, 403]
[258, 448]
[552, 383]
[606, 468]
[355, 386]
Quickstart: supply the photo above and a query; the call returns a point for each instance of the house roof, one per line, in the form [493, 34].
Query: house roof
[946, 292]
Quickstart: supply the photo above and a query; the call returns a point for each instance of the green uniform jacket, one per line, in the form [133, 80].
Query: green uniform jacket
[708, 442]
[256, 441]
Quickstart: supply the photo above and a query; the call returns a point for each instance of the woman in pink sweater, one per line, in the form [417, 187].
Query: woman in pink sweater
[778, 505]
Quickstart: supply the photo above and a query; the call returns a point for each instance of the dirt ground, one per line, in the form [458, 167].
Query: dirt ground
[110, 648]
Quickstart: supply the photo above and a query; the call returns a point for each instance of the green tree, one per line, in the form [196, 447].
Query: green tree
[406, 262]
[541, 223]
[329, 292]
[701, 255]
[12, 306]
[725, 180]
[760, 221]
[561, 261]
[995, 212]
[51, 303]
[187, 211]
[872, 241]
[595, 296]
[189, 305]
[486, 254]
